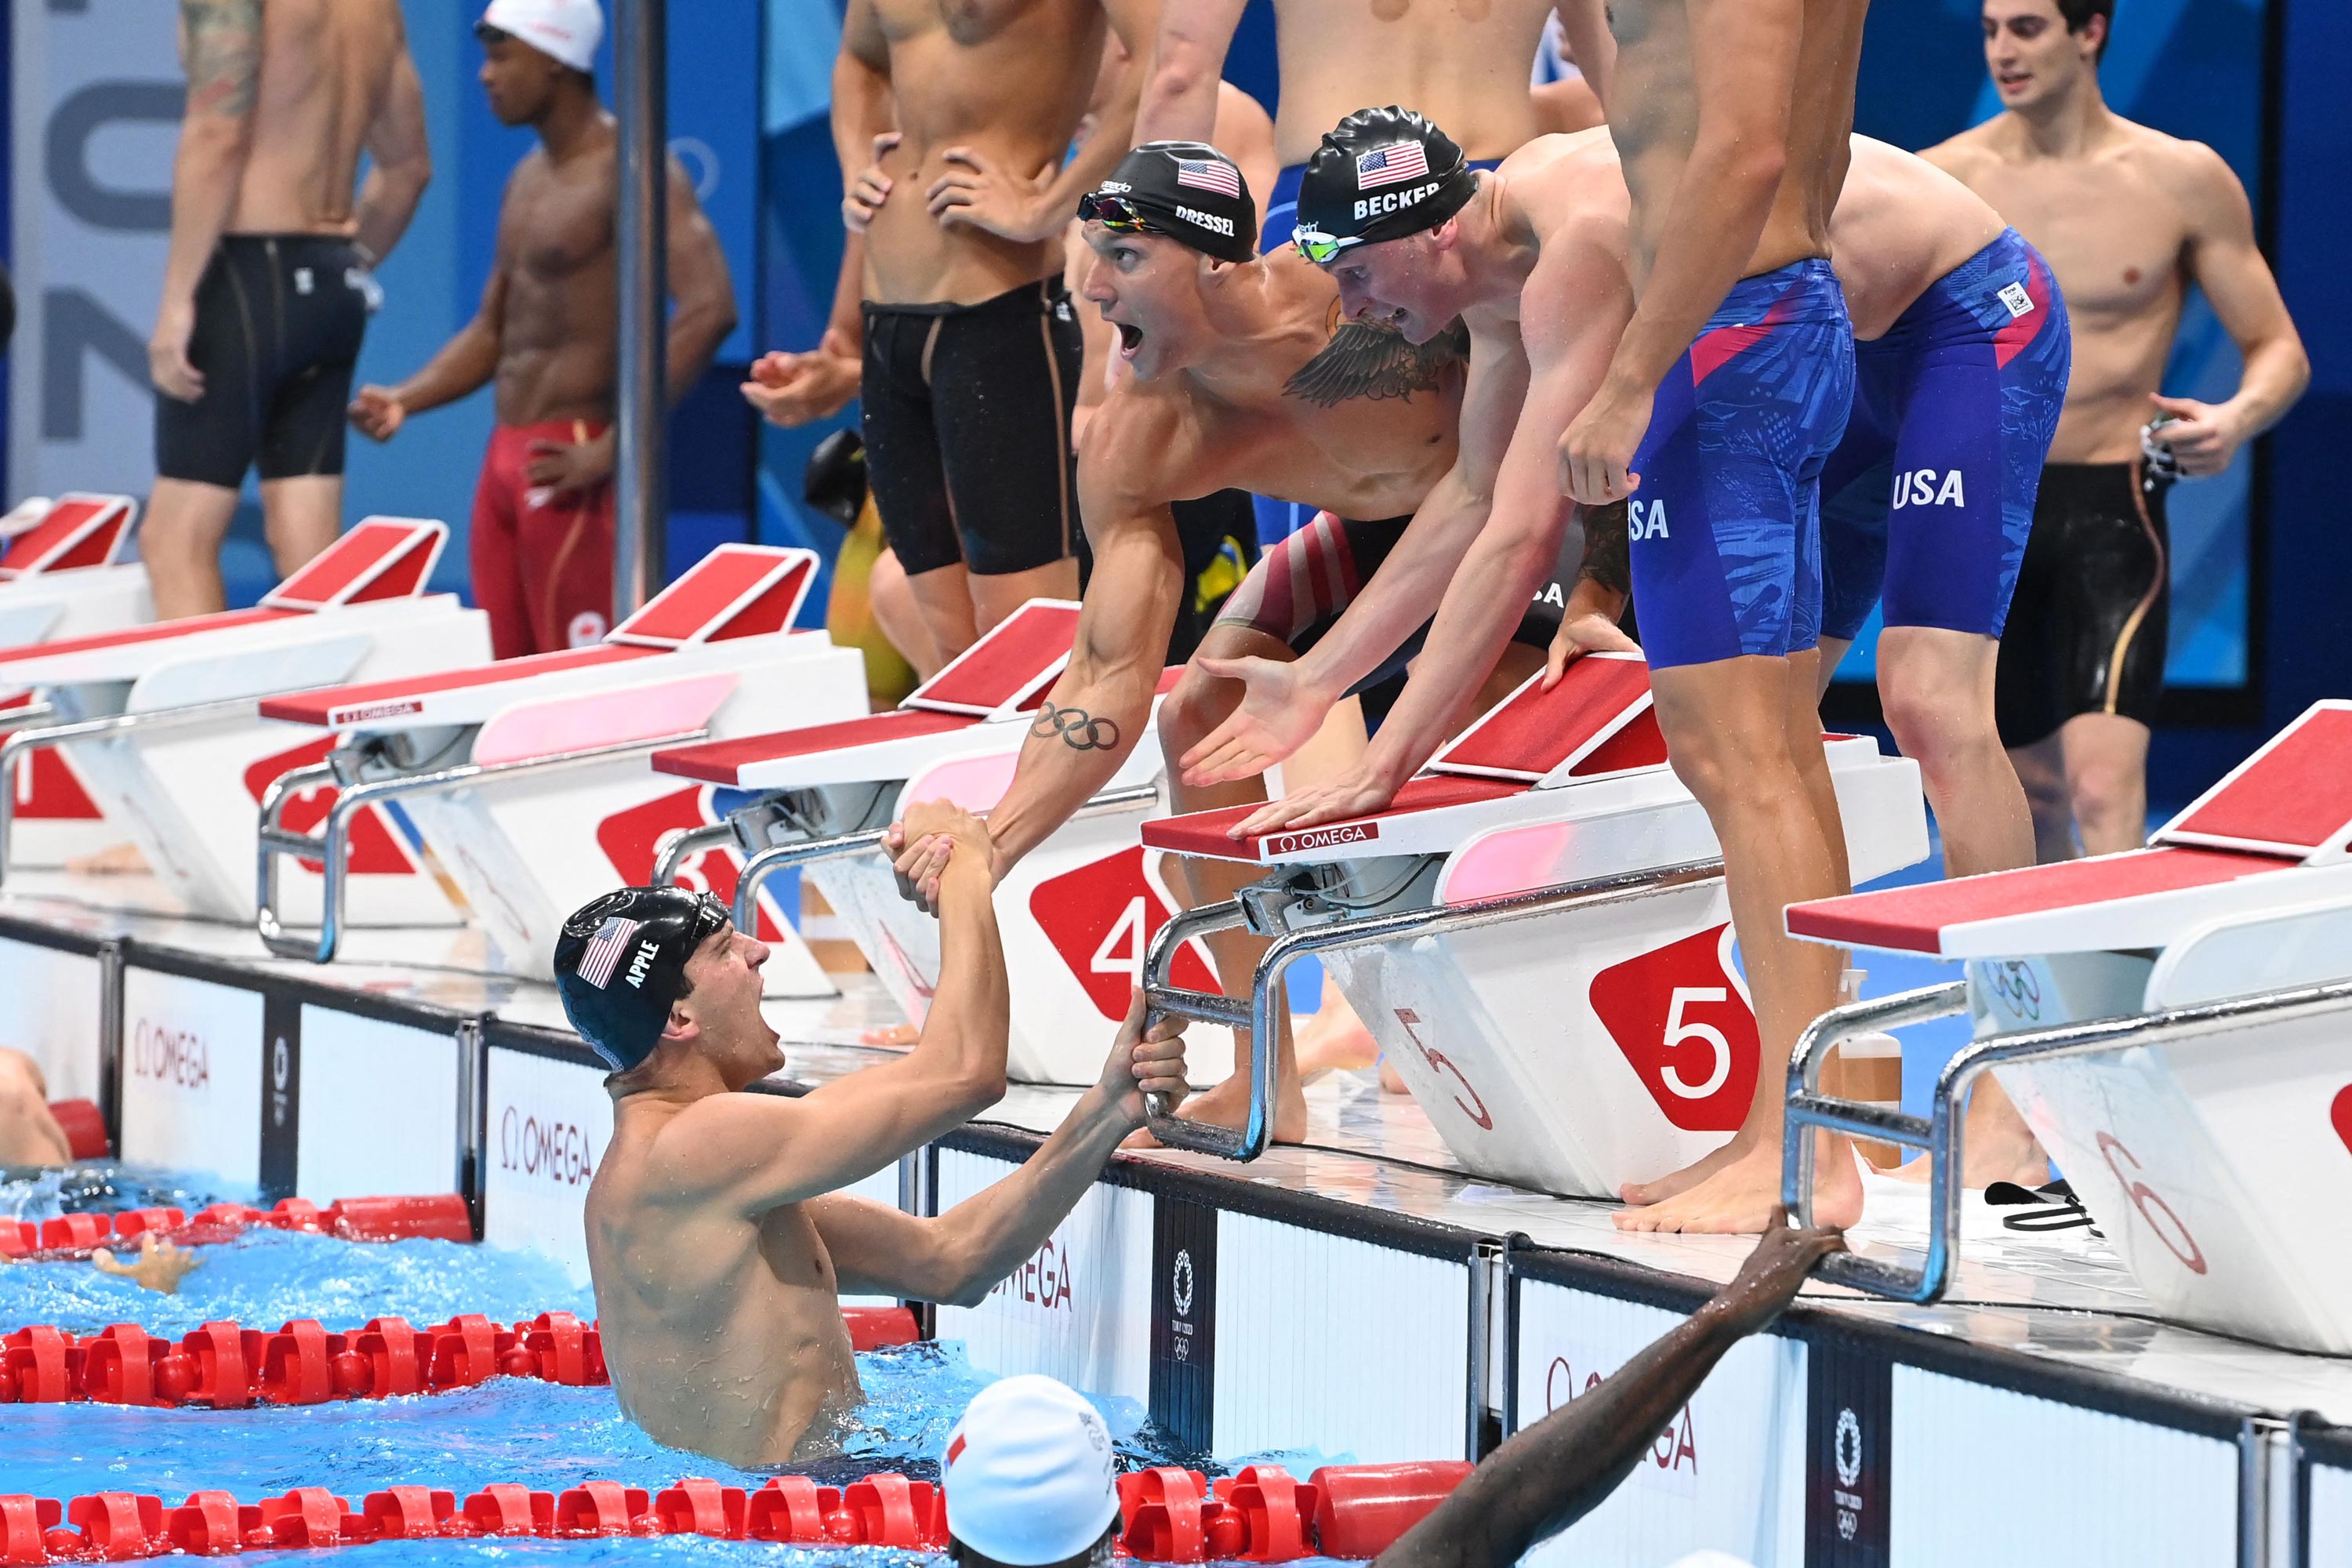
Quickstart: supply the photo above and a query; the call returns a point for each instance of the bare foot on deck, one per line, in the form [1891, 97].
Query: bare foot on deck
[1998, 1145]
[1392, 1080]
[1334, 1038]
[1739, 1198]
[114, 860]
[1639, 1193]
[1227, 1105]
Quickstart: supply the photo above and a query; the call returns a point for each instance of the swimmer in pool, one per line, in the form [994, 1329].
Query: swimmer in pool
[1237, 370]
[719, 1236]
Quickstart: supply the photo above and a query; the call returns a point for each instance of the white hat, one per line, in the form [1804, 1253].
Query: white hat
[568, 30]
[1029, 1473]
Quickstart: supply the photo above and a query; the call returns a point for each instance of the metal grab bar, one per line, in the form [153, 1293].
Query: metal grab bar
[680, 842]
[23, 742]
[784, 856]
[1269, 987]
[1941, 1133]
[329, 846]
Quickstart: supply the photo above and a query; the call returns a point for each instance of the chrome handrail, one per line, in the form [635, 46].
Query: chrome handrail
[784, 856]
[22, 742]
[1269, 987]
[1941, 1133]
[329, 845]
[680, 842]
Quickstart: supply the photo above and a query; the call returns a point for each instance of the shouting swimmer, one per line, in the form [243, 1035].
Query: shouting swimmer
[1243, 374]
[718, 1237]
[2130, 217]
[266, 286]
[542, 543]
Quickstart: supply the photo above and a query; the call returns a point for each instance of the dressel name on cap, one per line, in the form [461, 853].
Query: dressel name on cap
[1206, 220]
[1394, 201]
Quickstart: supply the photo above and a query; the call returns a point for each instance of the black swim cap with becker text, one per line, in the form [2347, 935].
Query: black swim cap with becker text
[1379, 175]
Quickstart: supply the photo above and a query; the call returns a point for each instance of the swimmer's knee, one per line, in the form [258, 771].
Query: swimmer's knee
[1198, 705]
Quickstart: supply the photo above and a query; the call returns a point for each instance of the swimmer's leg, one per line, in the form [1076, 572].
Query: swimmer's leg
[29, 1135]
[1727, 726]
[180, 540]
[301, 516]
[2107, 779]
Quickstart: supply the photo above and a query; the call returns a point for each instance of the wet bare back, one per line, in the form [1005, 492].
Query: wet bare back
[326, 68]
[559, 341]
[737, 1347]
[1010, 79]
[1653, 119]
[1463, 63]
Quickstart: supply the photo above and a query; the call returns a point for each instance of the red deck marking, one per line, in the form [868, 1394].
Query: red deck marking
[346, 569]
[329, 706]
[1203, 832]
[2295, 793]
[1535, 730]
[78, 531]
[161, 631]
[1007, 665]
[738, 590]
[723, 762]
[1914, 918]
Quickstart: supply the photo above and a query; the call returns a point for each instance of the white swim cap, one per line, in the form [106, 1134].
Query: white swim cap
[568, 30]
[1029, 1473]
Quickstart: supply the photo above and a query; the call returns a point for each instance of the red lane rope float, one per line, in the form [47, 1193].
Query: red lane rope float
[440, 1216]
[227, 1367]
[1262, 1515]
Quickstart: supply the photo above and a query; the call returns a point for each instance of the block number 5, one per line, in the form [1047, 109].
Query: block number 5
[1680, 1029]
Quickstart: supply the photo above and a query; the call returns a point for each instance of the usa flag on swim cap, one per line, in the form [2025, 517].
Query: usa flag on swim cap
[1208, 174]
[1388, 164]
[603, 950]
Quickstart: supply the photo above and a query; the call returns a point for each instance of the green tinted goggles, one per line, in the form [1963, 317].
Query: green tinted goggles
[1318, 247]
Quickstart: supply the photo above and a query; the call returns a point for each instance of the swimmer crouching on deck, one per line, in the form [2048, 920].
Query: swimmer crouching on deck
[718, 1237]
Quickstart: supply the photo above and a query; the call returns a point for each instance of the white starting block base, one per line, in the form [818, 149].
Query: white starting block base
[1302, 1275]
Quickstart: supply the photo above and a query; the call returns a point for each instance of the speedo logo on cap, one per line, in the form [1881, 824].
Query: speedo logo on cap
[1393, 201]
[1210, 221]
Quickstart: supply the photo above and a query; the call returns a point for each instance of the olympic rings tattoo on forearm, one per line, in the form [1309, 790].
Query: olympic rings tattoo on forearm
[1077, 728]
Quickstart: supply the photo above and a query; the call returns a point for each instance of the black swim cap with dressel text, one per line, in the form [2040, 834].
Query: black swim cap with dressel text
[620, 962]
[1379, 175]
[1187, 191]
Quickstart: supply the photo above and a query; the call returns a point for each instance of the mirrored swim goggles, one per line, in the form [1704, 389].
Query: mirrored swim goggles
[1118, 215]
[1318, 247]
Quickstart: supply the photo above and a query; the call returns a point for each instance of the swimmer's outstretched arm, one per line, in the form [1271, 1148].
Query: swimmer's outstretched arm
[754, 1152]
[956, 1259]
[1565, 1465]
[1102, 700]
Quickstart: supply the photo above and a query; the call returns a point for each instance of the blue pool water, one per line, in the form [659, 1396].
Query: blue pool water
[545, 1436]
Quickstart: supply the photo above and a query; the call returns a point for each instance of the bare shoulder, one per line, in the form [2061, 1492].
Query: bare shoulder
[2201, 176]
[1141, 448]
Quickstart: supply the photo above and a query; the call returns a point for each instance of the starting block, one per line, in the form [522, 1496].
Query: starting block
[528, 777]
[159, 719]
[65, 573]
[2171, 1022]
[1078, 912]
[1537, 933]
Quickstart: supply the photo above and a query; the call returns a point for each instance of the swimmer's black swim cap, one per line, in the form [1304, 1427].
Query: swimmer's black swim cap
[1186, 190]
[1381, 174]
[620, 962]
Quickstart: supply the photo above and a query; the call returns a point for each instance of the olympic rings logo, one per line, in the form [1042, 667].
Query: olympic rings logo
[2020, 988]
[1078, 730]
